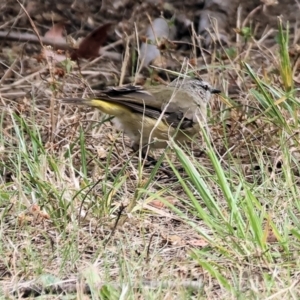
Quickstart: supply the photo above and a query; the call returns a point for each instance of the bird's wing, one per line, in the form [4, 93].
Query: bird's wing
[149, 104]
[130, 94]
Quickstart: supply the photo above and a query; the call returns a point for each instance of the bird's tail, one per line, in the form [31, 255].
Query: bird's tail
[108, 107]
[77, 101]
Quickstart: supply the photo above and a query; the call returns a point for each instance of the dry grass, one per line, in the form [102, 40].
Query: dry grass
[226, 226]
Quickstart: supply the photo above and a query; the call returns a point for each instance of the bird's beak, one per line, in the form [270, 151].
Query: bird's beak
[215, 91]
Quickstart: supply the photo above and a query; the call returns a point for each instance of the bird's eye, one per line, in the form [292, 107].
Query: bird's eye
[206, 87]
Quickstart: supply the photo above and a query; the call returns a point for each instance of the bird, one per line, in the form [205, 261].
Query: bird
[150, 116]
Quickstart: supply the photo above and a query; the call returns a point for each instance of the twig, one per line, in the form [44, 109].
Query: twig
[120, 212]
[125, 62]
[53, 117]
[28, 37]
[31, 38]
[31, 23]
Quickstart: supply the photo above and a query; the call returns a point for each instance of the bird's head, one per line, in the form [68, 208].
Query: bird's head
[196, 86]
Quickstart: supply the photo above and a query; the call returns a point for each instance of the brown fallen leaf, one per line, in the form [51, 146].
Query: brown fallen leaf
[174, 240]
[197, 243]
[157, 204]
[161, 204]
[36, 211]
[24, 219]
[59, 72]
[89, 47]
[269, 235]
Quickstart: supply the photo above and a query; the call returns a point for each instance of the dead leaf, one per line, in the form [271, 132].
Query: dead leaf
[89, 47]
[269, 235]
[59, 72]
[101, 152]
[48, 53]
[39, 214]
[161, 204]
[174, 240]
[197, 243]
[294, 51]
[24, 219]
[193, 62]
[157, 204]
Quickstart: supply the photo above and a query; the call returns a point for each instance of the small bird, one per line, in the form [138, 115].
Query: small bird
[151, 116]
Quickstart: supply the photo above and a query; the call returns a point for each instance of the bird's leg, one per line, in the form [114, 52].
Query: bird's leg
[151, 160]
